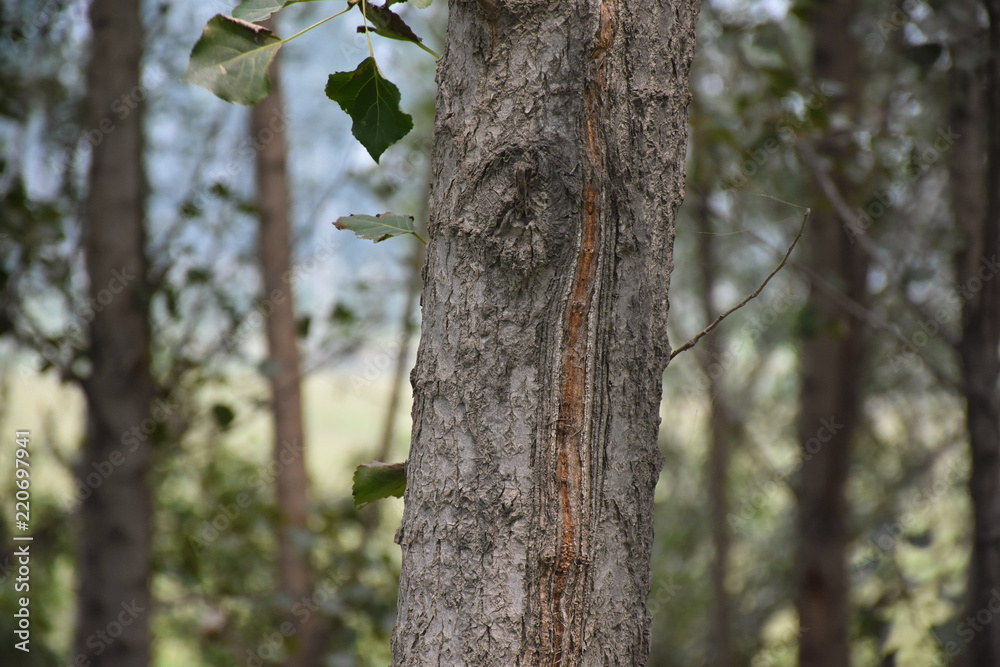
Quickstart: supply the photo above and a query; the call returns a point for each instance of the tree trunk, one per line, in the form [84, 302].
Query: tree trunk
[975, 115]
[267, 129]
[114, 537]
[721, 434]
[558, 166]
[832, 357]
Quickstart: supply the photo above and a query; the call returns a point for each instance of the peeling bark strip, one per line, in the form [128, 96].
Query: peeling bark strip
[573, 436]
[559, 144]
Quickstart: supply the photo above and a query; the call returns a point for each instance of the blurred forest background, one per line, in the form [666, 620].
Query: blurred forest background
[870, 112]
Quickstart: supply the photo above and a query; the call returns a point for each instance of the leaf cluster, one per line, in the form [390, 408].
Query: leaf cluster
[235, 53]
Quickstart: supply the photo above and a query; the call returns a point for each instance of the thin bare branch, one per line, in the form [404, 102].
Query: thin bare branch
[864, 314]
[718, 320]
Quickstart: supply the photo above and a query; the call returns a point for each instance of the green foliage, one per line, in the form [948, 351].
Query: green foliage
[808, 322]
[256, 11]
[234, 54]
[232, 59]
[379, 227]
[389, 24]
[223, 415]
[302, 326]
[341, 314]
[923, 55]
[377, 480]
[372, 102]
[215, 553]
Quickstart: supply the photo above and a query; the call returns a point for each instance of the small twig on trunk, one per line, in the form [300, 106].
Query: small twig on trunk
[707, 330]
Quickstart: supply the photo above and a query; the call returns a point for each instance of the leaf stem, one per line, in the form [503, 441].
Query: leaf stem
[316, 25]
[371, 52]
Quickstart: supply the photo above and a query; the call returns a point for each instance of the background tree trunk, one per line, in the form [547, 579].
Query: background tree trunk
[267, 129]
[975, 117]
[721, 436]
[832, 356]
[114, 536]
[558, 166]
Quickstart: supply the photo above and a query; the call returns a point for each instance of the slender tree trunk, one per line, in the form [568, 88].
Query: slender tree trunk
[114, 538]
[267, 129]
[975, 116]
[832, 357]
[558, 167]
[721, 434]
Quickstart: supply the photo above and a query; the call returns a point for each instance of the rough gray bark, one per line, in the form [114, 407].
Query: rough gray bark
[975, 117]
[558, 166]
[831, 362]
[114, 537]
[267, 129]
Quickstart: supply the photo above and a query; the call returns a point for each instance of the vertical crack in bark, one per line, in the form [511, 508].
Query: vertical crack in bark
[562, 608]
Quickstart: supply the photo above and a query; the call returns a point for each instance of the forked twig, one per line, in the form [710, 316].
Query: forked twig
[707, 330]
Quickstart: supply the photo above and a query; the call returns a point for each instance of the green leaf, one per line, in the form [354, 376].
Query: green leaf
[341, 314]
[223, 415]
[219, 189]
[388, 23]
[190, 210]
[261, 10]
[258, 10]
[232, 59]
[421, 4]
[376, 480]
[302, 326]
[197, 276]
[378, 228]
[923, 55]
[372, 102]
